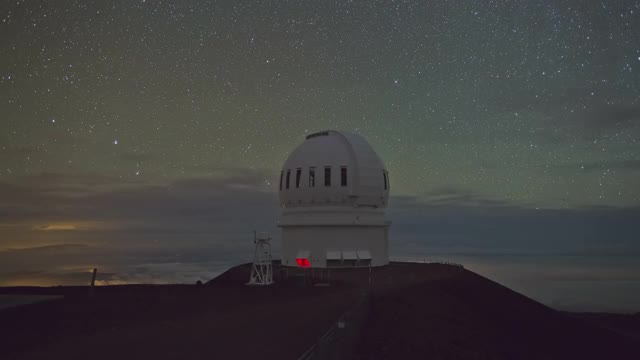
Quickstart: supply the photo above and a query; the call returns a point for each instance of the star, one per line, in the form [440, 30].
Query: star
[519, 121]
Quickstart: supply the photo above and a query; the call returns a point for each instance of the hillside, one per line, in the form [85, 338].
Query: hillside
[416, 310]
[471, 317]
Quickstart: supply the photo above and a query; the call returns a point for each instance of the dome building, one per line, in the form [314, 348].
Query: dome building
[333, 191]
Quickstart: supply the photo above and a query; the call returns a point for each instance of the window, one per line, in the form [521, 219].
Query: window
[327, 176]
[343, 176]
[288, 177]
[386, 179]
[312, 177]
[298, 173]
[281, 179]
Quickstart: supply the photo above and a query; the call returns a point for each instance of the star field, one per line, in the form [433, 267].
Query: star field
[530, 103]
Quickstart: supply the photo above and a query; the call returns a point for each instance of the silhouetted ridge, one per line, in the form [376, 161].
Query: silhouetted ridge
[404, 310]
[468, 317]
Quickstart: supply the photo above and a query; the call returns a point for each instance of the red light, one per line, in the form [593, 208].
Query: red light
[303, 262]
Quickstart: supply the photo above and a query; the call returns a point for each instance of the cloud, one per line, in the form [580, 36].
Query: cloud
[456, 220]
[45, 278]
[615, 116]
[78, 226]
[52, 181]
[449, 196]
[461, 197]
[56, 227]
[168, 273]
[24, 150]
[44, 200]
[595, 120]
[71, 264]
[194, 228]
[45, 248]
[621, 165]
[137, 157]
[121, 223]
[574, 114]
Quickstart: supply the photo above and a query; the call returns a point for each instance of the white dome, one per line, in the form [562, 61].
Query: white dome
[354, 174]
[333, 191]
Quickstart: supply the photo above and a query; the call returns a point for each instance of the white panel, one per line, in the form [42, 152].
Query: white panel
[349, 255]
[303, 254]
[333, 255]
[364, 255]
[318, 240]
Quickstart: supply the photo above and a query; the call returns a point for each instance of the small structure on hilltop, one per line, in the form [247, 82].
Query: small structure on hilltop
[333, 191]
[262, 269]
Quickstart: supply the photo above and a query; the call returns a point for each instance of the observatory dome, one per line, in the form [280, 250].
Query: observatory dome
[334, 168]
[333, 192]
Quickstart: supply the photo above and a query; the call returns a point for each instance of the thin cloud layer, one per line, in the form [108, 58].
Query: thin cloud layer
[194, 228]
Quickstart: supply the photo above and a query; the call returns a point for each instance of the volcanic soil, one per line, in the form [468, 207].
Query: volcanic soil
[434, 311]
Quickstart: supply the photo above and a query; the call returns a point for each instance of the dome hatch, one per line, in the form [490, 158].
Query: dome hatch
[334, 168]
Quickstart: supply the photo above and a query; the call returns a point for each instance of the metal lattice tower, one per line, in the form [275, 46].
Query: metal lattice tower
[261, 271]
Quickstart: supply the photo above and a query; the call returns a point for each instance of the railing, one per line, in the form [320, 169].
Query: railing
[340, 340]
[425, 261]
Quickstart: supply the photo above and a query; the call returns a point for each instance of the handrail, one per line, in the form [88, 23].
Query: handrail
[328, 336]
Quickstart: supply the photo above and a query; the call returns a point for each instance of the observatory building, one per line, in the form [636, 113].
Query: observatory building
[333, 191]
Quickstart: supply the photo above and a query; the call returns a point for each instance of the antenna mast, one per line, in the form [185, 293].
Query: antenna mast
[261, 270]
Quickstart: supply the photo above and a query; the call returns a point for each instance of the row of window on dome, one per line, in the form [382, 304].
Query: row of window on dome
[312, 177]
[327, 177]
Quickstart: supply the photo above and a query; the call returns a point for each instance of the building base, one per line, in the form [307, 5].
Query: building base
[339, 246]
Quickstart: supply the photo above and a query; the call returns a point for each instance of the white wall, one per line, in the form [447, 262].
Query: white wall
[320, 239]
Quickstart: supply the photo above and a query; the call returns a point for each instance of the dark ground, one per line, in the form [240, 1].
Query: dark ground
[470, 317]
[414, 310]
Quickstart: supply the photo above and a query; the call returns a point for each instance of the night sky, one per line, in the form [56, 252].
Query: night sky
[134, 131]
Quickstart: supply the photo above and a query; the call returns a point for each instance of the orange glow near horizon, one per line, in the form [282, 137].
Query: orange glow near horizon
[54, 227]
[75, 225]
